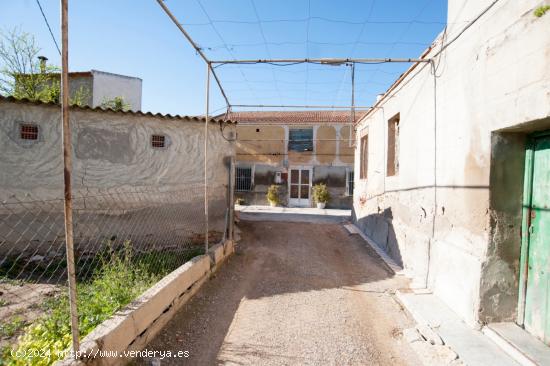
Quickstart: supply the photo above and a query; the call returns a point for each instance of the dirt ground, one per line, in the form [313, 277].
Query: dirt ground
[294, 294]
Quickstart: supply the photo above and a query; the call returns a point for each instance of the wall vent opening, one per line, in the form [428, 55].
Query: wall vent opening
[28, 131]
[158, 141]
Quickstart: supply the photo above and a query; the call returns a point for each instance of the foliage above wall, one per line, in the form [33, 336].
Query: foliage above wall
[116, 104]
[23, 75]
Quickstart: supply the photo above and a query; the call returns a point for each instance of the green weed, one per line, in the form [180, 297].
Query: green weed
[120, 279]
[541, 10]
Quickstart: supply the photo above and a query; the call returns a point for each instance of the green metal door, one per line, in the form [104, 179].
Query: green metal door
[536, 242]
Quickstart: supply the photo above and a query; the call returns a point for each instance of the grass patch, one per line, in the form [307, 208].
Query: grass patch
[120, 278]
[11, 327]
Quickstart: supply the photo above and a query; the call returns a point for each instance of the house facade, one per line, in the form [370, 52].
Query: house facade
[453, 166]
[294, 150]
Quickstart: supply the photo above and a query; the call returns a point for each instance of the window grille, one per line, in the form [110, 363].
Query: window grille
[349, 183]
[243, 179]
[158, 141]
[28, 131]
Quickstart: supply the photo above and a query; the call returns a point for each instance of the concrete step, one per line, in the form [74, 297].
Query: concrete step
[471, 345]
[518, 344]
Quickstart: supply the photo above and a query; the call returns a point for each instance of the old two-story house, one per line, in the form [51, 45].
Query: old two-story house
[295, 150]
[453, 166]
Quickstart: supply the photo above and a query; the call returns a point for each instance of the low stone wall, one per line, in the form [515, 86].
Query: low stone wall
[134, 326]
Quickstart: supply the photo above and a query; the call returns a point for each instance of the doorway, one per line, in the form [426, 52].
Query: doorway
[534, 306]
[300, 187]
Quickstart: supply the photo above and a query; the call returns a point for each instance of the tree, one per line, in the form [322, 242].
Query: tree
[116, 104]
[23, 75]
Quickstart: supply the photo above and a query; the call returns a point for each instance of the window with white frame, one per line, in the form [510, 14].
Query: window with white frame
[243, 179]
[349, 183]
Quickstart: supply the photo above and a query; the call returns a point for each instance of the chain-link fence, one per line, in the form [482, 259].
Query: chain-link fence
[125, 240]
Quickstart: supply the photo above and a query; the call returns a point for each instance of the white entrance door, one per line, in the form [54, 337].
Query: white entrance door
[300, 187]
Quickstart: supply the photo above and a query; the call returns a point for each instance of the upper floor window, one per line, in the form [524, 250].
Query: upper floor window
[28, 131]
[364, 157]
[300, 139]
[393, 146]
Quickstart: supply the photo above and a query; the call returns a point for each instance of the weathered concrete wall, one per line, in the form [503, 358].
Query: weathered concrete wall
[107, 86]
[262, 144]
[109, 149]
[442, 216]
[116, 173]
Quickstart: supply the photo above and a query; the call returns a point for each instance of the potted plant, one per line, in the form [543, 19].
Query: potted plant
[273, 195]
[320, 195]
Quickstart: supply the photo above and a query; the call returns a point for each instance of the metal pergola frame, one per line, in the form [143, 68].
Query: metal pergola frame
[211, 65]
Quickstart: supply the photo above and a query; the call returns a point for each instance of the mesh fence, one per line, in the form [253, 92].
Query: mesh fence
[125, 240]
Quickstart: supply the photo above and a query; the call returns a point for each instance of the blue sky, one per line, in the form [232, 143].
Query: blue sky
[135, 37]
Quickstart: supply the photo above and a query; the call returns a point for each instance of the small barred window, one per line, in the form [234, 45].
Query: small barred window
[28, 131]
[158, 141]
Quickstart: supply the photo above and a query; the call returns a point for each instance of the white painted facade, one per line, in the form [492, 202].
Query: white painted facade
[106, 86]
[443, 215]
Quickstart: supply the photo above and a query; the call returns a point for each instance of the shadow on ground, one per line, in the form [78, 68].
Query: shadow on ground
[278, 269]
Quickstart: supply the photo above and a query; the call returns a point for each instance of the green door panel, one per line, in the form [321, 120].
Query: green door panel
[537, 297]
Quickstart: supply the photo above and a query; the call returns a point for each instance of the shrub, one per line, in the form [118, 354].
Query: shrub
[541, 10]
[121, 278]
[320, 193]
[273, 194]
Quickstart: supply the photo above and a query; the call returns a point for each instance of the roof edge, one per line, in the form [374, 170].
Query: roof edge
[11, 99]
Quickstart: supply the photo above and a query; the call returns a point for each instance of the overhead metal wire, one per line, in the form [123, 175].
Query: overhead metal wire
[282, 65]
[354, 48]
[266, 48]
[325, 19]
[402, 34]
[48, 25]
[215, 29]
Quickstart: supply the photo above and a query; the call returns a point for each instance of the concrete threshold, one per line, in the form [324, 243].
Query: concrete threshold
[518, 344]
[471, 345]
[294, 214]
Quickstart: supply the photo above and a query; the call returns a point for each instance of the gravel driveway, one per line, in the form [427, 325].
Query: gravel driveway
[294, 294]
